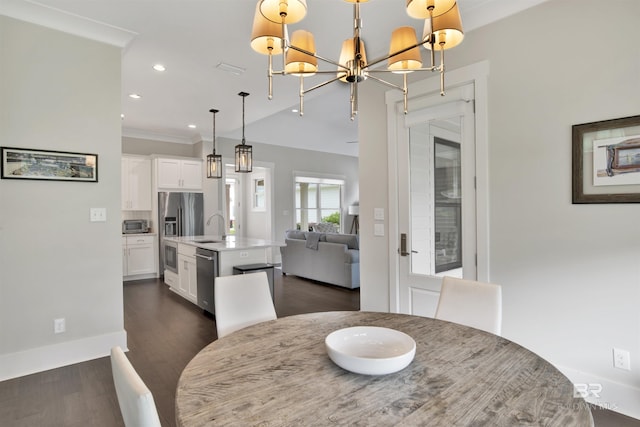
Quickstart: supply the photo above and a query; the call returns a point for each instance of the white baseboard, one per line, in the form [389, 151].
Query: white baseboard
[40, 359]
[605, 393]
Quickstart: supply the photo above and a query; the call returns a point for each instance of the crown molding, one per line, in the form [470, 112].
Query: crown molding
[160, 137]
[56, 19]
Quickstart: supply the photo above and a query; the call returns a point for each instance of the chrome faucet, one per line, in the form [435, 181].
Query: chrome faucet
[224, 223]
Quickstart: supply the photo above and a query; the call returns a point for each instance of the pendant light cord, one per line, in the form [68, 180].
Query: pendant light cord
[214, 111]
[243, 95]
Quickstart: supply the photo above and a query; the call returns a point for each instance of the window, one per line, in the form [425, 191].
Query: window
[258, 194]
[318, 200]
[447, 204]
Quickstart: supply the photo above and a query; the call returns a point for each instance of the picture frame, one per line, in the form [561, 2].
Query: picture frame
[606, 161]
[46, 165]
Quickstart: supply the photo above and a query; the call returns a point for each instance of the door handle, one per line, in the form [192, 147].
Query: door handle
[403, 246]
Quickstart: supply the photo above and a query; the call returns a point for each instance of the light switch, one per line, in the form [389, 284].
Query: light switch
[378, 214]
[97, 214]
[378, 229]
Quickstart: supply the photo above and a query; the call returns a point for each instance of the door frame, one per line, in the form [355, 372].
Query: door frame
[477, 74]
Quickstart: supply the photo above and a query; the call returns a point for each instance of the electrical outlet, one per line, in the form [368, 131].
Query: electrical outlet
[621, 359]
[244, 254]
[59, 326]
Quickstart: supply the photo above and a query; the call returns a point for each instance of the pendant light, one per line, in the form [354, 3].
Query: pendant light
[214, 161]
[244, 157]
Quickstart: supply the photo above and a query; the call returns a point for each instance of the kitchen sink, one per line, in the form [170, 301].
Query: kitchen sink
[208, 241]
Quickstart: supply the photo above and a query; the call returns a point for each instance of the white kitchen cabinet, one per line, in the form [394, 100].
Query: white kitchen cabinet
[138, 256]
[136, 184]
[187, 273]
[179, 174]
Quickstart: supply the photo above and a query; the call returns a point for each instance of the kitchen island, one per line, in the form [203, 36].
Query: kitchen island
[226, 252]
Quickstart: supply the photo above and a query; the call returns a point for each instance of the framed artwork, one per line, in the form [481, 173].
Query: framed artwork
[606, 161]
[26, 163]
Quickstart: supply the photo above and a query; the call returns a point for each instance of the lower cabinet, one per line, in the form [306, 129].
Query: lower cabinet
[138, 256]
[187, 273]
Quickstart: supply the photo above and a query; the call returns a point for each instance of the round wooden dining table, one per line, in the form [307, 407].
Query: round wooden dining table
[277, 373]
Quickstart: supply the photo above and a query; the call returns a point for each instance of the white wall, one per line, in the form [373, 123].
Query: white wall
[59, 92]
[570, 273]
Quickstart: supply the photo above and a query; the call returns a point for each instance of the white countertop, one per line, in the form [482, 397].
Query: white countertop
[217, 243]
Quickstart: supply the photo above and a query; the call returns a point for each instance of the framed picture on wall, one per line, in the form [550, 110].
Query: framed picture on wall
[26, 163]
[606, 161]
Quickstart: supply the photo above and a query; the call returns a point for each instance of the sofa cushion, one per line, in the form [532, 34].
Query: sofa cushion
[351, 240]
[296, 234]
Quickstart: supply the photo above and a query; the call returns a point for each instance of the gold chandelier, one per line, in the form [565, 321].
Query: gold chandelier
[442, 30]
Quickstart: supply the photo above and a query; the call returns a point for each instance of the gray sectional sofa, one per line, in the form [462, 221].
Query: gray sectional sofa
[325, 257]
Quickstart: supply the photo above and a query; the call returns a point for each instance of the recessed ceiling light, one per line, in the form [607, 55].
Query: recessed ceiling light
[135, 96]
[192, 126]
[294, 110]
[122, 116]
[159, 67]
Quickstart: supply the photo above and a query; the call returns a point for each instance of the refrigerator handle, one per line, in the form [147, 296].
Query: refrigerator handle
[179, 225]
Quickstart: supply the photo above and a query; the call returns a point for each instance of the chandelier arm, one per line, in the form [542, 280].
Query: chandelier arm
[354, 100]
[284, 43]
[318, 86]
[311, 73]
[322, 58]
[384, 82]
[405, 92]
[301, 95]
[395, 72]
[441, 70]
[270, 76]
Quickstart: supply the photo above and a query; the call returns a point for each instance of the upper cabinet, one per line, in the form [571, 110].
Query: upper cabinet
[182, 174]
[136, 184]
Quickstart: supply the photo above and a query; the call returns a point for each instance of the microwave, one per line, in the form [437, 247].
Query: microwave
[132, 226]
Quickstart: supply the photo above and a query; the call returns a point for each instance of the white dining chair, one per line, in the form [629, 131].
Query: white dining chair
[242, 300]
[135, 399]
[471, 303]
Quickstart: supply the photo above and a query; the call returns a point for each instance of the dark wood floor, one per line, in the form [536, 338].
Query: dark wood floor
[164, 333]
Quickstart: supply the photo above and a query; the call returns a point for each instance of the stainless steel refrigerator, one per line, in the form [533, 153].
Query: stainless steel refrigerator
[179, 214]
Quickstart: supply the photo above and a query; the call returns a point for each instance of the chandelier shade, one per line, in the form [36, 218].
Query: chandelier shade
[300, 63]
[347, 58]
[447, 30]
[423, 9]
[266, 36]
[409, 60]
[283, 11]
[214, 161]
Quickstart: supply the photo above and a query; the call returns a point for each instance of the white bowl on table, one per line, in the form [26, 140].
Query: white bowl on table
[370, 350]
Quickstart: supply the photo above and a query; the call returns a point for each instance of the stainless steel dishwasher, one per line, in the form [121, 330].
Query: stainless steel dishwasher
[207, 268]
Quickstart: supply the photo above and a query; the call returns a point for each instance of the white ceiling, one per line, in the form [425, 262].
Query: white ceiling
[191, 37]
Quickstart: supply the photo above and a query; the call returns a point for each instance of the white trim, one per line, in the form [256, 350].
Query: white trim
[53, 356]
[613, 396]
[152, 136]
[66, 22]
[477, 74]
